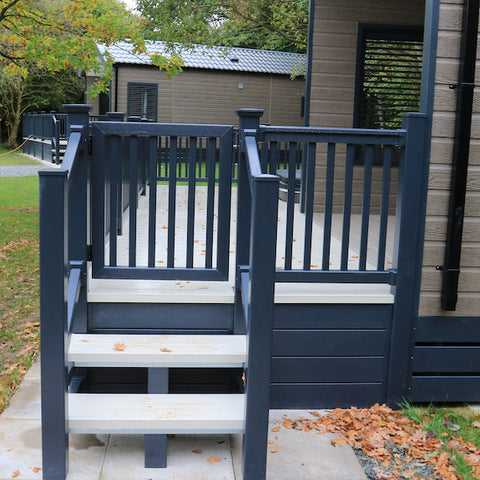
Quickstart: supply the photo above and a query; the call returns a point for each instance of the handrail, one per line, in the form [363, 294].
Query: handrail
[72, 151]
[334, 135]
[252, 158]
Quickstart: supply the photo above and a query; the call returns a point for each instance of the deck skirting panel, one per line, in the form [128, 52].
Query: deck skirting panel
[446, 360]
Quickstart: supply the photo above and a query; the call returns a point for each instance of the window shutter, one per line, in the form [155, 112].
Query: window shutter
[391, 71]
[142, 101]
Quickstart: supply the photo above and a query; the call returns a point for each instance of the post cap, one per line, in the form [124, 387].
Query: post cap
[250, 112]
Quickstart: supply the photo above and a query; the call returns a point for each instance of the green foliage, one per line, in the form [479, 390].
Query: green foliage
[19, 286]
[14, 158]
[267, 24]
[457, 428]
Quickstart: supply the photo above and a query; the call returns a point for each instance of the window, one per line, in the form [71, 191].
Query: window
[389, 72]
[143, 101]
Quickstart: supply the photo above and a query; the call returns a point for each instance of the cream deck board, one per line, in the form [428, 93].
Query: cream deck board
[169, 351]
[156, 413]
[155, 291]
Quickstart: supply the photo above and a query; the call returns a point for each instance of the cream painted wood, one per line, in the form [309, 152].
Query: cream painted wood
[155, 414]
[213, 351]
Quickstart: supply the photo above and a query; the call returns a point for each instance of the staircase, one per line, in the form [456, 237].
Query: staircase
[156, 413]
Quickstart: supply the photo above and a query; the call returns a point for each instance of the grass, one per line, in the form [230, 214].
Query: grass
[459, 431]
[8, 157]
[19, 285]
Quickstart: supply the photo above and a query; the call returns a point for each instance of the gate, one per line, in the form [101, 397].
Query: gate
[126, 166]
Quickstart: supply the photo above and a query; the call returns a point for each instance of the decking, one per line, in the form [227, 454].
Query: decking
[156, 291]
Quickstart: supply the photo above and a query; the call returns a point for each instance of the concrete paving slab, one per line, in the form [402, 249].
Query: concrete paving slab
[300, 456]
[186, 459]
[25, 404]
[20, 449]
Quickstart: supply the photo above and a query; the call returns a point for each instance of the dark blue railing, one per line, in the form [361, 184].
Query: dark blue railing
[329, 157]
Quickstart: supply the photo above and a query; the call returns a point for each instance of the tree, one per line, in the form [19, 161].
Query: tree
[265, 24]
[41, 90]
[41, 36]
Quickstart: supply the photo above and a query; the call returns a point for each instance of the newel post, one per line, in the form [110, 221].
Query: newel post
[248, 118]
[408, 221]
[77, 114]
[53, 321]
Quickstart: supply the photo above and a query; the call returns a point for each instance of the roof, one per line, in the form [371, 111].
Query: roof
[214, 58]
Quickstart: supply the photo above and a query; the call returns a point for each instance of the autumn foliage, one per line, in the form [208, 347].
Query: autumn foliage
[398, 444]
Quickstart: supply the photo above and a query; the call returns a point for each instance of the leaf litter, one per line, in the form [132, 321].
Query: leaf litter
[389, 445]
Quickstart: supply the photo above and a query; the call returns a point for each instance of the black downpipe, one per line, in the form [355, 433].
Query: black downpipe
[461, 148]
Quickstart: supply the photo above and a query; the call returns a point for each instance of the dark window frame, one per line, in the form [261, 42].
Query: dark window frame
[154, 88]
[368, 31]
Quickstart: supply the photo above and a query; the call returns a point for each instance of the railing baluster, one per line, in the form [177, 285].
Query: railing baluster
[210, 172]
[172, 199]
[265, 150]
[114, 152]
[152, 201]
[273, 159]
[191, 200]
[367, 188]
[292, 153]
[224, 201]
[309, 166]
[347, 206]
[327, 224]
[132, 202]
[382, 237]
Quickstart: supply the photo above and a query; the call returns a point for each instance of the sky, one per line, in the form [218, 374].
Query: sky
[130, 4]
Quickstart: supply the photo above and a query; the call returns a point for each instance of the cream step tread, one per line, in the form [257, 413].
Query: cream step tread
[155, 414]
[157, 350]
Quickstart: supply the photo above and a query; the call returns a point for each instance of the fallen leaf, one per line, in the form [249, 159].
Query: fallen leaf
[276, 429]
[275, 449]
[120, 346]
[36, 470]
[213, 459]
[165, 349]
[9, 450]
[270, 442]
[339, 441]
[85, 341]
[16, 473]
[197, 451]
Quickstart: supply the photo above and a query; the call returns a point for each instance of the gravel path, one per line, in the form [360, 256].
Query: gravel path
[21, 170]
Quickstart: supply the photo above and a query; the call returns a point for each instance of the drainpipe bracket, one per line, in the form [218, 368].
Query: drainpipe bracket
[457, 86]
[442, 268]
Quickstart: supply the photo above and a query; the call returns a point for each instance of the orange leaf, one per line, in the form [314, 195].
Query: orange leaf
[85, 341]
[275, 449]
[213, 459]
[36, 470]
[16, 473]
[339, 441]
[165, 349]
[120, 346]
[276, 429]
[270, 442]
